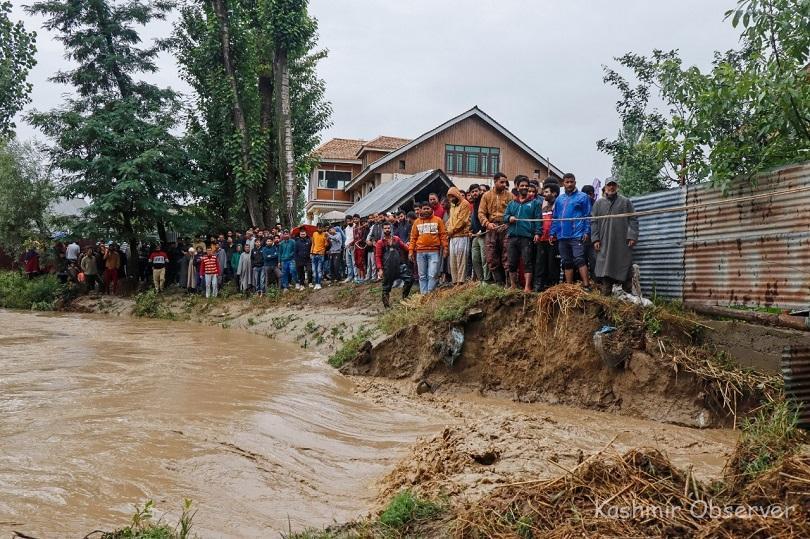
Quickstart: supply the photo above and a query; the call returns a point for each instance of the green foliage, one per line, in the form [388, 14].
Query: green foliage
[448, 308]
[767, 438]
[652, 323]
[26, 192]
[143, 526]
[748, 113]
[113, 140]
[150, 304]
[19, 292]
[17, 50]
[406, 508]
[350, 348]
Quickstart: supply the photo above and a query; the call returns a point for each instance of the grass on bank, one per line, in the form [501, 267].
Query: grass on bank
[143, 525]
[350, 348]
[442, 306]
[149, 304]
[41, 293]
[405, 511]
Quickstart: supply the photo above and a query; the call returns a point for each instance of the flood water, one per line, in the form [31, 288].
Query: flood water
[98, 414]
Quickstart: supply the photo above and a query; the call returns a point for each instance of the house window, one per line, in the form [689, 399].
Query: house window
[333, 179]
[472, 160]
[401, 164]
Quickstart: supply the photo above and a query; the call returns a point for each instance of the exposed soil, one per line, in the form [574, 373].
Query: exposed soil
[508, 351]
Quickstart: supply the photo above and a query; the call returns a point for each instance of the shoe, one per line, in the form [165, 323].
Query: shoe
[311, 285]
[317, 287]
[285, 290]
[347, 280]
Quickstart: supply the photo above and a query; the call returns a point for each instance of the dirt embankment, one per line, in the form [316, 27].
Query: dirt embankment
[317, 320]
[514, 347]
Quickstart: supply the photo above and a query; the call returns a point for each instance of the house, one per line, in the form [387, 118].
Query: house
[469, 148]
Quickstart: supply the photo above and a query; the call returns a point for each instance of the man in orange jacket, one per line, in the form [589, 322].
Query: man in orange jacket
[428, 246]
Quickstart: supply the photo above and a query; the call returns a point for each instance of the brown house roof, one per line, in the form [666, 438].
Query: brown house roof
[385, 143]
[340, 148]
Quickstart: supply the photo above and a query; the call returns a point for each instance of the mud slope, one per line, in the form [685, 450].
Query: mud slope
[507, 349]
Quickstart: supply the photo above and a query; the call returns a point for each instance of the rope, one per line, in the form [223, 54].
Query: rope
[686, 208]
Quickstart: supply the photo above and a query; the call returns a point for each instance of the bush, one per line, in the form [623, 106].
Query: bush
[350, 348]
[406, 508]
[19, 292]
[150, 305]
[144, 527]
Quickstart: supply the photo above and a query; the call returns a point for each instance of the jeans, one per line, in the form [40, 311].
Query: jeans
[287, 273]
[211, 285]
[258, 279]
[334, 265]
[317, 268]
[428, 264]
[302, 271]
[348, 257]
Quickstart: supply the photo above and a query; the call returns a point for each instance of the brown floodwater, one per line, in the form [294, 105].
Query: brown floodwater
[99, 414]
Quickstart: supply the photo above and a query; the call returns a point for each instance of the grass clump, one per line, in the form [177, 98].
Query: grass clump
[350, 348]
[405, 509]
[766, 440]
[443, 306]
[17, 291]
[150, 305]
[143, 525]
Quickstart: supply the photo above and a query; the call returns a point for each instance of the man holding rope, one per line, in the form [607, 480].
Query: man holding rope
[614, 238]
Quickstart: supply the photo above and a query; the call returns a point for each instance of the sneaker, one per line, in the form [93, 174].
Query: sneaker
[347, 280]
[299, 287]
[311, 285]
[284, 290]
[317, 287]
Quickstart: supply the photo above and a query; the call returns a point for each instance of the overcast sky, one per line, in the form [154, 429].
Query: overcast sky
[401, 68]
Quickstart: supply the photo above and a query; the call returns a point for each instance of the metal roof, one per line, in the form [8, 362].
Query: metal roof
[391, 194]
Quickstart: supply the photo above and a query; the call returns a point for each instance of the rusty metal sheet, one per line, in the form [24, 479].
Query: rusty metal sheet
[796, 374]
[754, 253]
[660, 249]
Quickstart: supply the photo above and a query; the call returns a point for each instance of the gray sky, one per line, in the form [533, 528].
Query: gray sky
[402, 67]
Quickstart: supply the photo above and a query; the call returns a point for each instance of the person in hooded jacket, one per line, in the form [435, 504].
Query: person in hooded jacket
[458, 230]
[303, 248]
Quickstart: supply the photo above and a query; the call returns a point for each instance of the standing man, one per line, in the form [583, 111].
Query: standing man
[427, 246]
[211, 270]
[72, 252]
[319, 242]
[478, 247]
[522, 216]
[286, 254]
[257, 267]
[270, 258]
[348, 249]
[436, 206]
[360, 233]
[90, 269]
[374, 235]
[614, 238]
[590, 253]
[303, 247]
[390, 252]
[158, 259]
[574, 232]
[547, 259]
[490, 213]
[458, 230]
[111, 263]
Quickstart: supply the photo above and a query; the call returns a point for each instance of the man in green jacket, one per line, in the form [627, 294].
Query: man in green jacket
[523, 217]
[286, 254]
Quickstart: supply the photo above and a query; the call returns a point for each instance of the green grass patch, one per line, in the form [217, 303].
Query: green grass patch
[143, 525]
[349, 350]
[150, 304]
[406, 508]
[17, 291]
[449, 307]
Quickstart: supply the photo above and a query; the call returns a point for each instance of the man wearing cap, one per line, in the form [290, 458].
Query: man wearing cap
[613, 238]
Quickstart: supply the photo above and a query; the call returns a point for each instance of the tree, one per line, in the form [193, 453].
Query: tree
[17, 50]
[26, 192]
[750, 112]
[113, 140]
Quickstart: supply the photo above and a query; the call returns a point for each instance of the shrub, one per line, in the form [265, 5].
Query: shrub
[406, 508]
[19, 292]
[150, 305]
[143, 527]
[350, 348]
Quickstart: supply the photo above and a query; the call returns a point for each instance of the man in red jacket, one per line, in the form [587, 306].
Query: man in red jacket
[209, 267]
[392, 264]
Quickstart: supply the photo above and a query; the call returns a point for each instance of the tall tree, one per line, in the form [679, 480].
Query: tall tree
[26, 192]
[113, 140]
[17, 50]
[748, 113]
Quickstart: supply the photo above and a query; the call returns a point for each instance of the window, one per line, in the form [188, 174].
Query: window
[333, 179]
[401, 164]
[472, 160]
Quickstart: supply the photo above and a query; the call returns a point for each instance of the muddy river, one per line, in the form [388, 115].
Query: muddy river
[100, 413]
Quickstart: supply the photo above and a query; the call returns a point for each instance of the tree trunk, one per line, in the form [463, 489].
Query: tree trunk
[161, 230]
[251, 194]
[269, 185]
[286, 160]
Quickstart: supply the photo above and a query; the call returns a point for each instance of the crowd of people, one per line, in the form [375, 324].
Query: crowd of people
[526, 236]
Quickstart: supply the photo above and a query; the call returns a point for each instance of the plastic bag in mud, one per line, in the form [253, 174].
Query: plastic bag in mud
[453, 344]
[612, 356]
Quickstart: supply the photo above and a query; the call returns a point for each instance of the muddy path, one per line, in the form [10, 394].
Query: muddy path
[100, 413]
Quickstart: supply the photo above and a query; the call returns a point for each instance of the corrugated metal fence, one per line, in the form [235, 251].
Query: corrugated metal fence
[754, 253]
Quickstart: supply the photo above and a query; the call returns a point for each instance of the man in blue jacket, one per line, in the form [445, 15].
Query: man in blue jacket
[572, 235]
[523, 217]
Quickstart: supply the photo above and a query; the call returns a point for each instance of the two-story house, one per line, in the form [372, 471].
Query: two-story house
[469, 148]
